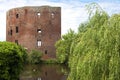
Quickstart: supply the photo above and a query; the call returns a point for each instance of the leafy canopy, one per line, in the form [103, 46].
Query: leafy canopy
[12, 58]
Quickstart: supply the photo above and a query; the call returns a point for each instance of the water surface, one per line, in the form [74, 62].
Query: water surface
[44, 72]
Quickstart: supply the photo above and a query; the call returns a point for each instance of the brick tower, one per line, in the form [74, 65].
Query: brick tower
[35, 28]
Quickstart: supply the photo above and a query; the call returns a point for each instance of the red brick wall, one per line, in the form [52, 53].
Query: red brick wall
[31, 19]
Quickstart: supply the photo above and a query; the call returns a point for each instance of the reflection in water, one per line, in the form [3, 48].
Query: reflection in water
[44, 72]
[39, 78]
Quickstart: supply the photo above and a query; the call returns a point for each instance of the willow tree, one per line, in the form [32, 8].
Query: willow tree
[63, 47]
[95, 55]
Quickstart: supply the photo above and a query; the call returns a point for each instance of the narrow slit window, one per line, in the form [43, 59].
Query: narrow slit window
[10, 32]
[17, 29]
[17, 15]
[39, 31]
[39, 43]
[16, 41]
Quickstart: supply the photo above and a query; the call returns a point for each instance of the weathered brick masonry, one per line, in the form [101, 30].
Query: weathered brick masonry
[35, 27]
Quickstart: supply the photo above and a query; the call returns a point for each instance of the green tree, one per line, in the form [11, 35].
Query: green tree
[12, 58]
[35, 57]
[63, 46]
[95, 53]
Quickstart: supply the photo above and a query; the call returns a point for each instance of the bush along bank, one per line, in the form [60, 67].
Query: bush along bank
[12, 58]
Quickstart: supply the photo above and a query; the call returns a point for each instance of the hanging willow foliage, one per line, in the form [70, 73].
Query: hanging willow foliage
[95, 53]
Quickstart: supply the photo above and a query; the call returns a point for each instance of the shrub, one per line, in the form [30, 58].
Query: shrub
[50, 61]
[12, 57]
[35, 57]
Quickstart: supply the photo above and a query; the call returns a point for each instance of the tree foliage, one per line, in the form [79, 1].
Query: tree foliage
[12, 58]
[63, 46]
[95, 54]
[35, 57]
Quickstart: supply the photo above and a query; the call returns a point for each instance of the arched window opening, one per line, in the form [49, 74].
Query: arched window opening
[52, 15]
[17, 15]
[38, 13]
[39, 43]
[39, 31]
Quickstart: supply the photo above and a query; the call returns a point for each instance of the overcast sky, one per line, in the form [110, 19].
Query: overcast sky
[73, 11]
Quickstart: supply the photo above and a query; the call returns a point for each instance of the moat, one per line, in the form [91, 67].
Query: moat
[44, 72]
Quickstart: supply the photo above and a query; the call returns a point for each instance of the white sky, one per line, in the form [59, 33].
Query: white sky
[73, 11]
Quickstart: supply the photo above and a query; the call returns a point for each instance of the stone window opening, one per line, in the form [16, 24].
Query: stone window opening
[39, 31]
[39, 43]
[17, 29]
[17, 15]
[52, 15]
[45, 51]
[11, 32]
[16, 41]
[38, 14]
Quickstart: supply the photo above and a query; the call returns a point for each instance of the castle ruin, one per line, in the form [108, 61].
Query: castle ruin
[35, 28]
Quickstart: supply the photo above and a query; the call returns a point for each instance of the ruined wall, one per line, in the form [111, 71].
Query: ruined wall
[35, 28]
